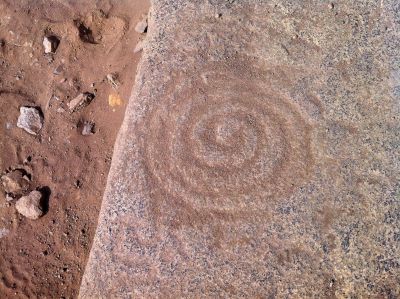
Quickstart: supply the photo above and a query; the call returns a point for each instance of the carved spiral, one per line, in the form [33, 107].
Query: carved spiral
[226, 141]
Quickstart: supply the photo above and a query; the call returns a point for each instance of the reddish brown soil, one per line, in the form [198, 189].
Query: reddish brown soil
[45, 258]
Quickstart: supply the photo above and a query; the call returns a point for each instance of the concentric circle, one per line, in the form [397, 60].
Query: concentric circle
[227, 142]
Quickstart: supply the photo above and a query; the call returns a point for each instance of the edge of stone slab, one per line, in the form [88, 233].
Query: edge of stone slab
[118, 145]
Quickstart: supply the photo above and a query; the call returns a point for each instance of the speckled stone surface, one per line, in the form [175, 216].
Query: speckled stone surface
[259, 156]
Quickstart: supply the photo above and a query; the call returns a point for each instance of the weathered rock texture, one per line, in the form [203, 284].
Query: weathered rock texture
[31, 205]
[30, 119]
[258, 156]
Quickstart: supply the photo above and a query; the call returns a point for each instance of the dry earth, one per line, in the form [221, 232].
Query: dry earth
[45, 258]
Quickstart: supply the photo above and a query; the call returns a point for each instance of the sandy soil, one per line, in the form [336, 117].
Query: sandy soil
[46, 257]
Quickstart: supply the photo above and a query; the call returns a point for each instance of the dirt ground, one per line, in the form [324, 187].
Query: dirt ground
[45, 258]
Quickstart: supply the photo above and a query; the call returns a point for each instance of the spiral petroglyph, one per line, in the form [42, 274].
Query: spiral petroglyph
[225, 140]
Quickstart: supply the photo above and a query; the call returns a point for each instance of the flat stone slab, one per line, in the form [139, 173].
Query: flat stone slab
[259, 156]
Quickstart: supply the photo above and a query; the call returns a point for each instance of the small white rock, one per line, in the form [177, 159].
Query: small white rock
[30, 206]
[88, 128]
[30, 120]
[9, 198]
[50, 44]
[141, 27]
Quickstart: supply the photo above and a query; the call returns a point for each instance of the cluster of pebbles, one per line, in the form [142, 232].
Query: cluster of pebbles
[17, 185]
[17, 181]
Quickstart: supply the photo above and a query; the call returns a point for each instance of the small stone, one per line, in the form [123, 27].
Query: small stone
[81, 101]
[30, 119]
[88, 128]
[141, 27]
[50, 44]
[58, 70]
[15, 182]
[139, 47]
[30, 206]
[112, 79]
[9, 198]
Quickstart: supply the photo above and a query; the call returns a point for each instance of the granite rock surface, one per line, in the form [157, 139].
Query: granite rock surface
[259, 156]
